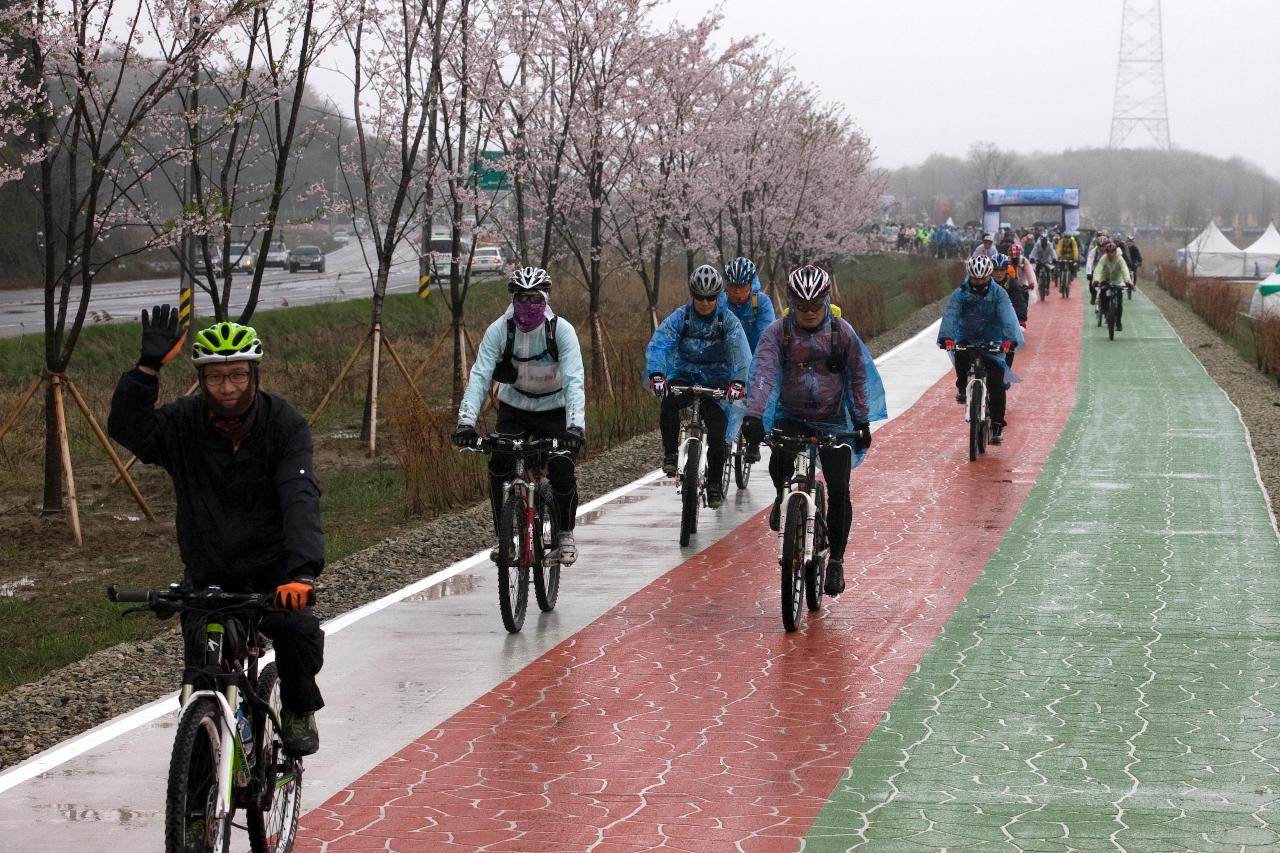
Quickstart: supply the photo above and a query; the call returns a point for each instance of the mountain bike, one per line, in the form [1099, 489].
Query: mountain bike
[227, 752]
[1044, 272]
[1066, 273]
[1109, 296]
[1043, 283]
[691, 469]
[803, 546]
[976, 414]
[528, 527]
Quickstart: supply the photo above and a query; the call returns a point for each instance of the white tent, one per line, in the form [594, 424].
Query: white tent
[1212, 254]
[1261, 258]
[1266, 297]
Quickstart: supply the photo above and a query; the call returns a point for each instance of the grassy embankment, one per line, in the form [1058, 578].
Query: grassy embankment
[62, 615]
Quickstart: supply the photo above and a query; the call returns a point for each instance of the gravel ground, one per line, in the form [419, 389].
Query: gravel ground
[91, 691]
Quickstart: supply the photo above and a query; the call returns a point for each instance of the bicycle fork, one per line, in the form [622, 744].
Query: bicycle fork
[810, 522]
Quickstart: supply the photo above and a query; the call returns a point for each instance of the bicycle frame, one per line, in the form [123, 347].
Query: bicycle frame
[804, 478]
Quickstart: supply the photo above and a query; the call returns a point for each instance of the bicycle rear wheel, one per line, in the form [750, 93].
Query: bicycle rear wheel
[975, 421]
[815, 573]
[192, 795]
[793, 562]
[689, 492]
[513, 568]
[726, 473]
[741, 467]
[272, 821]
[546, 574]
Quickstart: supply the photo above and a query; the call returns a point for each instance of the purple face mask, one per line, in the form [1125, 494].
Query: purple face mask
[529, 315]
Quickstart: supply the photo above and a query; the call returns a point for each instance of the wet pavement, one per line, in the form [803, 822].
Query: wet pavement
[400, 667]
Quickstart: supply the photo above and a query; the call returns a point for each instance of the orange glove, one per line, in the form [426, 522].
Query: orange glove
[296, 594]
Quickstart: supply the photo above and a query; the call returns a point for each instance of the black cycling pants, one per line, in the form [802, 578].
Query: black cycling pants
[299, 645]
[995, 383]
[837, 464]
[518, 423]
[1117, 294]
[714, 418]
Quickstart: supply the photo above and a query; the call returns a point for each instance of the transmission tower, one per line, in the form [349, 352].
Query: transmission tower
[1140, 100]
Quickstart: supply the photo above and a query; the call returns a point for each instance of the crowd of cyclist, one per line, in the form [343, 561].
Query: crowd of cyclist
[248, 517]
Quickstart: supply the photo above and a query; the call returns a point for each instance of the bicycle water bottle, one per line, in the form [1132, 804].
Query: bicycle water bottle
[246, 736]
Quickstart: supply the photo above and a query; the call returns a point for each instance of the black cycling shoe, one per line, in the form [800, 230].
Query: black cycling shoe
[961, 396]
[997, 433]
[1119, 327]
[669, 463]
[753, 453]
[298, 733]
[775, 515]
[835, 578]
[714, 496]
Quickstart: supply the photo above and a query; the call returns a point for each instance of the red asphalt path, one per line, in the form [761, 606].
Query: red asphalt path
[685, 717]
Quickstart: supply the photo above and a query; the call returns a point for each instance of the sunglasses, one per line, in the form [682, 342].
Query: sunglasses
[697, 298]
[809, 305]
[528, 297]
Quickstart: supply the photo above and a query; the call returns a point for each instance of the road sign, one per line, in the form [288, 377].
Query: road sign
[487, 176]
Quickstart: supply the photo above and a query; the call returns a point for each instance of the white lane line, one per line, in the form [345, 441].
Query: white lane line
[82, 743]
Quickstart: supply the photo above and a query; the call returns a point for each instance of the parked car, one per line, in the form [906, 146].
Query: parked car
[278, 255]
[309, 257]
[487, 259]
[241, 258]
[340, 235]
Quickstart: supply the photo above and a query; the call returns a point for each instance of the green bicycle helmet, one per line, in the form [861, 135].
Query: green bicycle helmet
[226, 342]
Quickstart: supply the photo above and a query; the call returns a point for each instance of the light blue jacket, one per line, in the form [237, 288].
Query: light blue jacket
[710, 351]
[548, 385]
[973, 319]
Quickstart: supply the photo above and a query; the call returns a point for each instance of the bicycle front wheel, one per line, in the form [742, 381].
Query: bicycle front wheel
[815, 573]
[192, 797]
[513, 565]
[1111, 316]
[273, 819]
[546, 574]
[689, 492]
[975, 420]
[793, 562]
[741, 467]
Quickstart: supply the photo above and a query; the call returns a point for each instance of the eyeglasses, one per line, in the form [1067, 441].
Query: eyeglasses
[810, 305]
[527, 296]
[238, 379]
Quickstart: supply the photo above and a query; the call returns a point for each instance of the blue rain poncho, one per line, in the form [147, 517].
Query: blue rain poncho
[755, 314]
[800, 386]
[711, 351]
[987, 319]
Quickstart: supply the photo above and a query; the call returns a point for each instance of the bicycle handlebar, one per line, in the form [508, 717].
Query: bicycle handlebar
[990, 347]
[789, 441]
[177, 598]
[696, 390]
[495, 443]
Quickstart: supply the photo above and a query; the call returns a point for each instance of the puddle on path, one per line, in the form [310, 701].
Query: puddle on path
[460, 584]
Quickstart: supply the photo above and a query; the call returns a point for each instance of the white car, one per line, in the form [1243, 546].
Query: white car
[278, 255]
[487, 259]
[241, 258]
[340, 235]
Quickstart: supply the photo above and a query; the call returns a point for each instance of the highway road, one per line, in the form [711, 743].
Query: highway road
[346, 277]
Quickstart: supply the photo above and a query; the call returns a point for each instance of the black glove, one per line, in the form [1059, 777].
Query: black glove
[861, 436]
[465, 435]
[753, 429]
[161, 337]
[573, 438]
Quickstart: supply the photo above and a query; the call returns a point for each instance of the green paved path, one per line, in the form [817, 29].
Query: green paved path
[1111, 681]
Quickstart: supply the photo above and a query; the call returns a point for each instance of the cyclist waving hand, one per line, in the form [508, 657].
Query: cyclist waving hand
[700, 343]
[813, 376]
[248, 505]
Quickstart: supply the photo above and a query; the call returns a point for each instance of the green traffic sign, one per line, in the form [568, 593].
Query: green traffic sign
[487, 176]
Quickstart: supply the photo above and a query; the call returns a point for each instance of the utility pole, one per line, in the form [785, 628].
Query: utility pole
[186, 270]
[1140, 100]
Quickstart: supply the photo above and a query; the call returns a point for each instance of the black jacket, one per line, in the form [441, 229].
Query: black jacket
[248, 518]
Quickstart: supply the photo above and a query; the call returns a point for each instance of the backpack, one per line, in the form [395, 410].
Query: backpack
[505, 370]
[835, 360]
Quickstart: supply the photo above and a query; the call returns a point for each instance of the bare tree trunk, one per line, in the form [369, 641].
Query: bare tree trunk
[52, 455]
[461, 370]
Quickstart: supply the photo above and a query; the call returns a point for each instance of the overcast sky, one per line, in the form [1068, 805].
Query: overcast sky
[925, 76]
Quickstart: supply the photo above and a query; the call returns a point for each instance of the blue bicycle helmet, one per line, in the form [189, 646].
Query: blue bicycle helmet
[740, 271]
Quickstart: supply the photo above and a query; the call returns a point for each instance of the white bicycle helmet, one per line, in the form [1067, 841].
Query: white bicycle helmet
[524, 279]
[706, 282]
[809, 282]
[980, 266]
